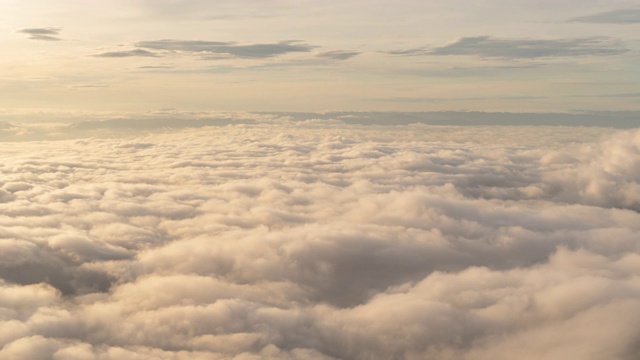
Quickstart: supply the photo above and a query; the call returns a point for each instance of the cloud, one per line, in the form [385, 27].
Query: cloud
[153, 123]
[158, 67]
[88, 86]
[127, 53]
[311, 238]
[44, 34]
[410, 99]
[227, 48]
[618, 119]
[73, 126]
[490, 47]
[338, 54]
[621, 16]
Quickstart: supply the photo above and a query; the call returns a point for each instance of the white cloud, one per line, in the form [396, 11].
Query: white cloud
[320, 240]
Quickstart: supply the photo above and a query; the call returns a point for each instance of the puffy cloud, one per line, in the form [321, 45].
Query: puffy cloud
[318, 239]
[606, 175]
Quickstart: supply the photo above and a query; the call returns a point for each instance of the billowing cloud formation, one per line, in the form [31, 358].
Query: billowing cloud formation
[490, 47]
[622, 16]
[319, 240]
[227, 48]
[45, 34]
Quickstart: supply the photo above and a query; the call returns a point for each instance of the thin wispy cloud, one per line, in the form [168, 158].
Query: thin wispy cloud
[156, 67]
[491, 47]
[621, 16]
[616, 95]
[227, 48]
[127, 53]
[338, 54]
[83, 86]
[409, 99]
[43, 34]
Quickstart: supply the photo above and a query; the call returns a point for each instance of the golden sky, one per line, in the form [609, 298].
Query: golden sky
[495, 55]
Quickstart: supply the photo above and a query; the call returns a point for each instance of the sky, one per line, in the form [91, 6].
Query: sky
[274, 55]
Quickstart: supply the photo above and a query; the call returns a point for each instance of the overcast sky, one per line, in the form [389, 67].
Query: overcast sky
[276, 55]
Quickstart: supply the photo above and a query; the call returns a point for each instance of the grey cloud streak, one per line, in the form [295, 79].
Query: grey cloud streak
[491, 47]
[315, 239]
[127, 53]
[44, 34]
[338, 54]
[227, 48]
[622, 16]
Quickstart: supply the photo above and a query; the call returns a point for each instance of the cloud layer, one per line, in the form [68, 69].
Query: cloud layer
[319, 240]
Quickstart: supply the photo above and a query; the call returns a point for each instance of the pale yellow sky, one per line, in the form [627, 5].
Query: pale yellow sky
[494, 55]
